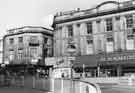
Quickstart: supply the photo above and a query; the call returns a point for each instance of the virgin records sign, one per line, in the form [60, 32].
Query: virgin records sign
[117, 58]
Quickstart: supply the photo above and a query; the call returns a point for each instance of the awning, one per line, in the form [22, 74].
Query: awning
[87, 60]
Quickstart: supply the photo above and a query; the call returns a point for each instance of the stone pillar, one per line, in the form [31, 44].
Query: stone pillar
[64, 40]
[83, 30]
[95, 32]
[102, 36]
[123, 31]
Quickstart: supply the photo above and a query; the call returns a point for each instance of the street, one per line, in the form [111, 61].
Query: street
[117, 90]
[19, 90]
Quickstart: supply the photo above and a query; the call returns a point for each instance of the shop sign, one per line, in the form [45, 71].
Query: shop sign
[117, 58]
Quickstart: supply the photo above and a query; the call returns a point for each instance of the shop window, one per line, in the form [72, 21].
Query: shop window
[89, 28]
[109, 24]
[129, 21]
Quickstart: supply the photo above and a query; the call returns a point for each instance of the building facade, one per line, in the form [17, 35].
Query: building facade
[1, 50]
[27, 45]
[103, 37]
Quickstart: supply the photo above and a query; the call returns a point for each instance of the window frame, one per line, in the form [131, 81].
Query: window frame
[20, 39]
[109, 24]
[11, 40]
[89, 27]
[129, 21]
[70, 30]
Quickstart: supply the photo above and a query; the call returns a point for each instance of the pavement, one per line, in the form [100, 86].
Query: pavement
[115, 88]
[125, 86]
[20, 90]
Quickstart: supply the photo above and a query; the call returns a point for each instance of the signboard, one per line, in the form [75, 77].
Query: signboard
[117, 58]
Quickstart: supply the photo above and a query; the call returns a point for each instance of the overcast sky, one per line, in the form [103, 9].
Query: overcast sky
[16, 13]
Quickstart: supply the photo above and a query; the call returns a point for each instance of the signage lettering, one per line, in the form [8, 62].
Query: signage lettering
[117, 58]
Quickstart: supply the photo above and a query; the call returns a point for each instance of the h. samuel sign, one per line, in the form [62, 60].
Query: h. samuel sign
[117, 57]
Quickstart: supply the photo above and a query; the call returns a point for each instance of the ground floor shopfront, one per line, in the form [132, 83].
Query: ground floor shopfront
[106, 65]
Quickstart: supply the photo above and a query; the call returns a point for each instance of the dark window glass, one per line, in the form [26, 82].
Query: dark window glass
[70, 30]
[130, 37]
[110, 39]
[109, 25]
[129, 21]
[89, 28]
[89, 41]
[45, 40]
[11, 40]
[20, 39]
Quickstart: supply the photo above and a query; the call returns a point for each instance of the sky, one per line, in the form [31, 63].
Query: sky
[17, 13]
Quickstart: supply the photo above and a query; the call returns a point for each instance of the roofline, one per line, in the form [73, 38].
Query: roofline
[50, 34]
[95, 15]
[29, 27]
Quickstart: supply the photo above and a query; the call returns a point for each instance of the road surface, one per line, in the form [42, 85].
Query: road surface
[113, 89]
[19, 90]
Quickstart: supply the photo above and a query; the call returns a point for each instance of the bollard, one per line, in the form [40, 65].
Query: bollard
[87, 89]
[62, 86]
[52, 85]
[33, 82]
[80, 87]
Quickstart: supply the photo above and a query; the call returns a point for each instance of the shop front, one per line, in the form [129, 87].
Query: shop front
[117, 64]
[86, 65]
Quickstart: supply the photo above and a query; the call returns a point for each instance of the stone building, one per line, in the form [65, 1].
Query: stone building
[103, 37]
[1, 49]
[28, 45]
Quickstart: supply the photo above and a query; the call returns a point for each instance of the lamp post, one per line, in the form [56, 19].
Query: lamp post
[71, 49]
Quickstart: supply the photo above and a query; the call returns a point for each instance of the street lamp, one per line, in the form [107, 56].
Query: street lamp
[71, 49]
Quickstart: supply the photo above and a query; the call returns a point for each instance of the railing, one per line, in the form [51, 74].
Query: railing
[50, 84]
[75, 86]
[66, 86]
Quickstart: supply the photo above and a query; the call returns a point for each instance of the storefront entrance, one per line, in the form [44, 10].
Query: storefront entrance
[108, 71]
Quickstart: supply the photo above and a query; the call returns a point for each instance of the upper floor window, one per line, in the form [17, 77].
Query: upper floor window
[109, 24]
[89, 41]
[78, 25]
[129, 21]
[45, 40]
[129, 37]
[117, 18]
[33, 51]
[70, 30]
[89, 28]
[20, 39]
[20, 54]
[110, 39]
[11, 40]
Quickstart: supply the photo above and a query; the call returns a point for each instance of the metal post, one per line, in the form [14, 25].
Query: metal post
[71, 69]
[33, 84]
[98, 70]
[83, 70]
